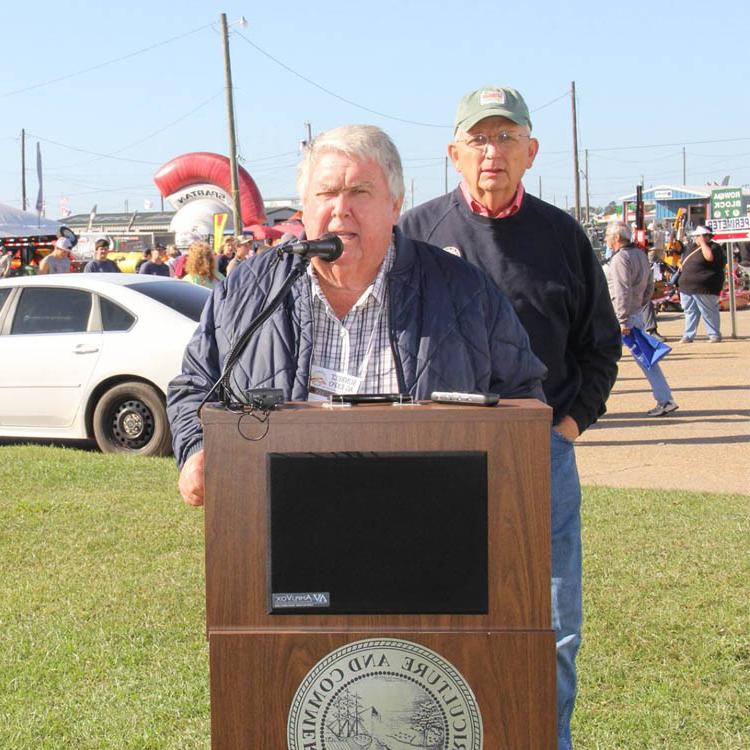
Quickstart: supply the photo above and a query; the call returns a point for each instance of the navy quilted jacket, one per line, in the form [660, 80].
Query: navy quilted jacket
[451, 330]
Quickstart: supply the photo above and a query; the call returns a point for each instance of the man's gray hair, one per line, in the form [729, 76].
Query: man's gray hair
[365, 142]
[620, 229]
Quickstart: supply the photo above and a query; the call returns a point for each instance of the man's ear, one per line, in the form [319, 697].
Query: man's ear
[533, 151]
[453, 155]
[397, 204]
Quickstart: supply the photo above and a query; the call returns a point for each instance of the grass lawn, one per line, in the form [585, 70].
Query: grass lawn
[102, 618]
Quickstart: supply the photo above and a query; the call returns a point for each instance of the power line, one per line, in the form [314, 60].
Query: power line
[665, 145]
[98, 66]
[638, 161]
[145, 138]
[333, 93]
[92, 153]
[557, 99]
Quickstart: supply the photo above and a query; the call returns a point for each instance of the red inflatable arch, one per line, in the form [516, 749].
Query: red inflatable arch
[204, 167]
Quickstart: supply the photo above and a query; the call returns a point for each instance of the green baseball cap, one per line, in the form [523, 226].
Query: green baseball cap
[491, 101]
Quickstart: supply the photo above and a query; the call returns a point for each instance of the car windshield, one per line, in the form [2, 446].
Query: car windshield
[186, 298]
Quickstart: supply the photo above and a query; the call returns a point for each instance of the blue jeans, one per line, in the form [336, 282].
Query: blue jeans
[659, 386]
[567, 601]
[696, 305]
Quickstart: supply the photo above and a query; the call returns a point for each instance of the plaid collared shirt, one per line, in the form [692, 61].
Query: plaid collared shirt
[359, 344]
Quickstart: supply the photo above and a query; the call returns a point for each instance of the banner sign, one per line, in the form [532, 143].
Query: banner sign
[729, 218]
[220, 221]
[726, 203]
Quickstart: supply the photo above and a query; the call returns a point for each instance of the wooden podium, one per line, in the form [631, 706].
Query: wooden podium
[259, 659]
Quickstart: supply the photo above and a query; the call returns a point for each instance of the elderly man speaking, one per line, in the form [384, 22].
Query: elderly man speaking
[541, 258]
[389, 315]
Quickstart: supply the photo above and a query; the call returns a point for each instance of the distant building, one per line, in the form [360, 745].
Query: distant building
[153, 226]
[662, 202]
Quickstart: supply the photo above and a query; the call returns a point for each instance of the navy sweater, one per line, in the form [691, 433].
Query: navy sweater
[543, 261]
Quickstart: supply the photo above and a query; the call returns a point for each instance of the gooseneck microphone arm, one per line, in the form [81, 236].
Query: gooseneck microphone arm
[228, 397]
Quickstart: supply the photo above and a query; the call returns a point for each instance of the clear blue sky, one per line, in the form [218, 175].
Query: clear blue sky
[646, 73]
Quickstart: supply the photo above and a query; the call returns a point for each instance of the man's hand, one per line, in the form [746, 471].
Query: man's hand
[192, 483]
[567, 427]
[625, 331]
[705, 247]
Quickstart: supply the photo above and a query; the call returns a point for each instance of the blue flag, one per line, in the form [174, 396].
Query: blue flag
[646, 349]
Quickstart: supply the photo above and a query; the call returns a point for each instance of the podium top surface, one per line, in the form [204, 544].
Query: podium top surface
[316, 412]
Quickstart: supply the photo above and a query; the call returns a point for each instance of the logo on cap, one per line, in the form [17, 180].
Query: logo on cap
[491, 97]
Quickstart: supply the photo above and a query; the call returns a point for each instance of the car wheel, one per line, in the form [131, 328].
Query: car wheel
[131, 418]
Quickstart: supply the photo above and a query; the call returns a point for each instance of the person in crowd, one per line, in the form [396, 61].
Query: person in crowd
[200, 266]
[542, 259]
[650, 324]
[145, 256]
[228, 250]
[6, 257]
[673, 251]
[173, 255]
[701, 282]
[390, 315]
[630, 281]
[155, 265]
[242, 253]
[101, 263]
[742, 254]
[58, 261]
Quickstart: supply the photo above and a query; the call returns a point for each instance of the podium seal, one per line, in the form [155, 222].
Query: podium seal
[384, 694]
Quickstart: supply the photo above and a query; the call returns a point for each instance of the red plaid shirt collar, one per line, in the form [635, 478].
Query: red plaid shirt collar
[503, 213]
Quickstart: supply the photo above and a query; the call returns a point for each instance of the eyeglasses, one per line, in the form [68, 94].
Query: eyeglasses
[503, 140]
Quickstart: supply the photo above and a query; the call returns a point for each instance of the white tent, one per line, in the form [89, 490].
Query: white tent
[17, 223]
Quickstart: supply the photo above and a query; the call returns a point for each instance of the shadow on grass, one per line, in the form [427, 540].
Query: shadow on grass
[83, 445]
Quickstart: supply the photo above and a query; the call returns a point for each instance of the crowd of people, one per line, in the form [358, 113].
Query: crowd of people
[198, 264]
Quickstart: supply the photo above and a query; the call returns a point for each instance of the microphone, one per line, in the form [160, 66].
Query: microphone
[328, 247]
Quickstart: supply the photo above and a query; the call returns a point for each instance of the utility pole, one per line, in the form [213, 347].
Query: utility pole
[446, 174]
[540, 187]
[588, 205]
[234, 172]
[412, 192]
[575, 150]
[684, 167]
[23, 169]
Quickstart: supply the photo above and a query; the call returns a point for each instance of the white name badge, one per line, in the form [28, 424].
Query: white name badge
[325, 383]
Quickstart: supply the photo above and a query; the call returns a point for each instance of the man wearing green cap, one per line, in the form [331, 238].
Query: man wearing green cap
[543, 261]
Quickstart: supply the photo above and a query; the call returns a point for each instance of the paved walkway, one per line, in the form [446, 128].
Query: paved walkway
[705, 445]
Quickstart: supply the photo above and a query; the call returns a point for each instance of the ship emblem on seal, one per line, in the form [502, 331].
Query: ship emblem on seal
[384, 694]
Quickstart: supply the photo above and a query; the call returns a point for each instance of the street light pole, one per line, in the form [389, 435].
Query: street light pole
[234, 172]
[588, 204]
[576, 168]
[23, 169]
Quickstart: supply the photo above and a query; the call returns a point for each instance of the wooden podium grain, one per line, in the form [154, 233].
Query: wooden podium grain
[258, 660]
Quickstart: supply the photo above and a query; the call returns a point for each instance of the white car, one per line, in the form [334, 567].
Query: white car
[90, 355]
